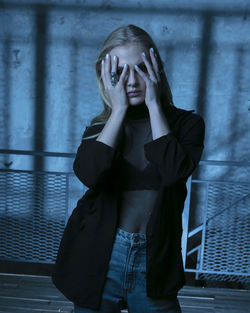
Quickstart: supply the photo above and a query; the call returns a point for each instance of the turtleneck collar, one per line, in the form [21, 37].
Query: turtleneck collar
[140, 113]
[137, 112]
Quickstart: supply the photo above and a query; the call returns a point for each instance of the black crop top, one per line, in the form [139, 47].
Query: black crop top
[137, 173]
[140, 179]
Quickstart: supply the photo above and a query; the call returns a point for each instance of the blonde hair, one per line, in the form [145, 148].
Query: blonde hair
[119, 37]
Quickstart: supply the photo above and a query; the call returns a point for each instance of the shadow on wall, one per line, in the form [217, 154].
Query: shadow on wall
[46, 96]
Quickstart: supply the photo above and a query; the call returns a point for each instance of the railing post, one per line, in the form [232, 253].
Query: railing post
[185, 220]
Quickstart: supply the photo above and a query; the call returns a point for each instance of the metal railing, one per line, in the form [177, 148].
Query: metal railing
[34, 208]
[219, 247]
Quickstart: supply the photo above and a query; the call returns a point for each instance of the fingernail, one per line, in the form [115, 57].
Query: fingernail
[152, 50]
[144, 54]
[136, 66]
[114, 58]
[102, 61]
[107, 55]
[125, 65]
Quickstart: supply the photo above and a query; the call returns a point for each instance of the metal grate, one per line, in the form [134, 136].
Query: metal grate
[33, 210]
[227, 233]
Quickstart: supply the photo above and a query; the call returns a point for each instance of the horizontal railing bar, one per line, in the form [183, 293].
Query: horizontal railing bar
[190, 270]
[197, 181]
[42, 277]
[27, 261]
[38, 153]
[34, 171]
[72, 155]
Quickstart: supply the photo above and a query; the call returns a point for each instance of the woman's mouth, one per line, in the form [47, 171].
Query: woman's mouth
[133, 94]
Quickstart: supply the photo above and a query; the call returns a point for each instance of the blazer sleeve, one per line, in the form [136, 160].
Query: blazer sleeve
[93, 161]
[176, 158]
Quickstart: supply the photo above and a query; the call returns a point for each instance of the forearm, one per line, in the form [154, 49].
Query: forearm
[175, 157]
[159, 123]
[111, 131]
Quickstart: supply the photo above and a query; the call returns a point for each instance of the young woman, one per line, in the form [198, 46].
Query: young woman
[121, 247]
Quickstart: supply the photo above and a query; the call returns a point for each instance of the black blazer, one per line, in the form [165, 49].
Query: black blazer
[86, 245]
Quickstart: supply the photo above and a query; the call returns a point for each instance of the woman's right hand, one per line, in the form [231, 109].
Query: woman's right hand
[116, 94]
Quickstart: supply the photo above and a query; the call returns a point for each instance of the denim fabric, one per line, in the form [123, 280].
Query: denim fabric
[125, 285]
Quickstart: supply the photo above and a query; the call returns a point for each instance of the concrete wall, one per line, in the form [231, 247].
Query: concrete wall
[48, 49]
[48, 88]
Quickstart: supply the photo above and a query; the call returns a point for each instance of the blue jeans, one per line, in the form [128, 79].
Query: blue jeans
[125, 284]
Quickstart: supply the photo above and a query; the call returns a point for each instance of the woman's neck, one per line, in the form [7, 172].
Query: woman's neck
[137, 112]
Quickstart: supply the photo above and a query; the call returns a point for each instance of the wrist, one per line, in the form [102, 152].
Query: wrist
[155, 107]
[119, 112]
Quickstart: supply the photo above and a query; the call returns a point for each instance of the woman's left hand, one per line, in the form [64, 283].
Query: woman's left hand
[151, 78]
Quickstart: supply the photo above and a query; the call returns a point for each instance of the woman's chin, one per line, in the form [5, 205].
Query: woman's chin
[135, 101]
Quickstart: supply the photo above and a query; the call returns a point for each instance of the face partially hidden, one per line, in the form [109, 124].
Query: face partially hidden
[135, 86]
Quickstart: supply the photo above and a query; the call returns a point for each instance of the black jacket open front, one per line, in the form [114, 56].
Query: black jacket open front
[86, 245]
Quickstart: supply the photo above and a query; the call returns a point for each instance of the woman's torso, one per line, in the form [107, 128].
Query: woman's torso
[140, 181]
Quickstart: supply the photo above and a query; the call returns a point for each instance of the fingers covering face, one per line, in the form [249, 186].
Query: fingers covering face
[154, 63]
[109, 65]
[114, 64]
[148, 65]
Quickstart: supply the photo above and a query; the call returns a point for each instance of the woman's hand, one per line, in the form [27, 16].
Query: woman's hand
[116, 94]
[151, 78]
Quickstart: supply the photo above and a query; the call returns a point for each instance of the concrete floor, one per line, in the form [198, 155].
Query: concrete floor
[30, 293]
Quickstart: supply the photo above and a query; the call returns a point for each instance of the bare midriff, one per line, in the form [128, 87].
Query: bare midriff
[135, 209]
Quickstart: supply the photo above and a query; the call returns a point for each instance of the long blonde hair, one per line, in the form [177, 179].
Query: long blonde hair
[120, 37]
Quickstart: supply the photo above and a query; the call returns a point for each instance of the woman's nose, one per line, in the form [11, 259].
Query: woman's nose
[132, 77]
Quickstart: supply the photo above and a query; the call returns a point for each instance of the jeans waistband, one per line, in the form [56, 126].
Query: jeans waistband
[130, 237]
